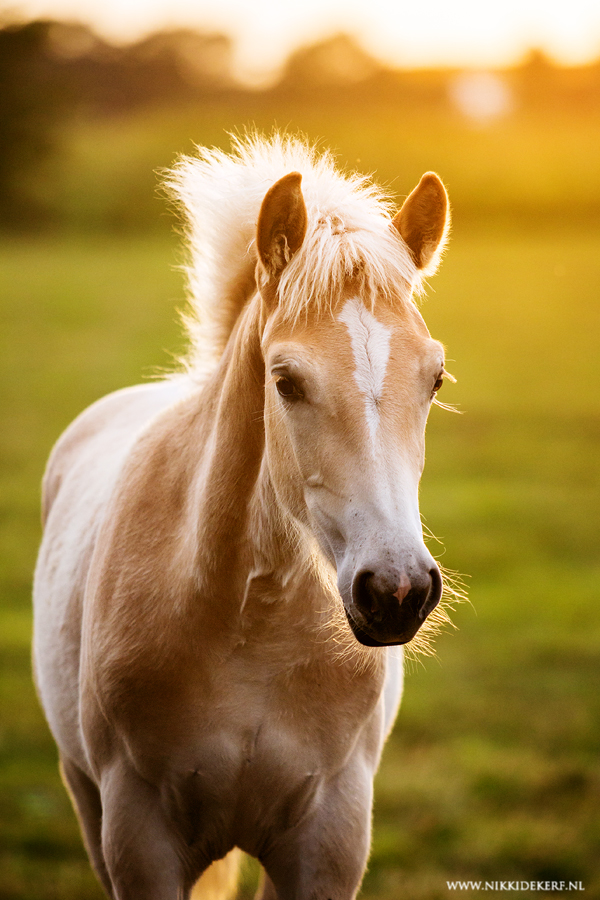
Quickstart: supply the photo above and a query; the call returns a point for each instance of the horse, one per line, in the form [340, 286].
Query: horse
[233, 555]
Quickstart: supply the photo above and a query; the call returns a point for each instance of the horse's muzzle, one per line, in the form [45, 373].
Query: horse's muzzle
[389, 608]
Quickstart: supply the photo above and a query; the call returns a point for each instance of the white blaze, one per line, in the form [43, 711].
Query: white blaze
[370, 341]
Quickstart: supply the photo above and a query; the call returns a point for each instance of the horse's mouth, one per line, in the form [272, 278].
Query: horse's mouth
[369, 640]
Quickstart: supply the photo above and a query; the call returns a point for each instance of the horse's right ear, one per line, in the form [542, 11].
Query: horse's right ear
[424, 222]
[281, 224]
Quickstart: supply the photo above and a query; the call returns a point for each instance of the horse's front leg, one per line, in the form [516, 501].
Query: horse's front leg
[324, 856]
[144, 853]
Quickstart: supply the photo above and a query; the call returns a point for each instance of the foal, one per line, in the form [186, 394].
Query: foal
[232, 556]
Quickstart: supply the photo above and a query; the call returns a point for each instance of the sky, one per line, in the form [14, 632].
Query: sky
[474, 33]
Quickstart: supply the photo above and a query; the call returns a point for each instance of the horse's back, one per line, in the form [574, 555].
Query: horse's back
[80, 478]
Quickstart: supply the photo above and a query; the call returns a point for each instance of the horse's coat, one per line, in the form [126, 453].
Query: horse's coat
[232, 557]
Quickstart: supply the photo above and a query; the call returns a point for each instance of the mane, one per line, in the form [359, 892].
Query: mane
[349, 236]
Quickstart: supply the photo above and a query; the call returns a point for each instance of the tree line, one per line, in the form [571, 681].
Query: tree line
[52, 70]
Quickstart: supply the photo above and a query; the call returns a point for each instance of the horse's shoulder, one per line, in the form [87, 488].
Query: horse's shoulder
[99, 437]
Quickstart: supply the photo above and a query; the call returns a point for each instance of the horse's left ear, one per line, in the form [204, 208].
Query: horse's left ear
[424, 221]
[281, 223]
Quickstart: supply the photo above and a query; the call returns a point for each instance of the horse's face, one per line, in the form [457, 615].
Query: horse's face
[346, 403]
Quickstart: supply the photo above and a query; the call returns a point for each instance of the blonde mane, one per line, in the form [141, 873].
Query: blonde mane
[349, 235]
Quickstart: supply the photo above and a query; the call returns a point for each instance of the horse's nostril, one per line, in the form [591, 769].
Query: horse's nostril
[436, 579]
[391, 596]
[432, 597]
[365, 596]
[379, 595]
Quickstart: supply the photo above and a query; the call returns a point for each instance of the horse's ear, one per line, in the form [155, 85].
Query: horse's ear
[424, 221]
[281, 223]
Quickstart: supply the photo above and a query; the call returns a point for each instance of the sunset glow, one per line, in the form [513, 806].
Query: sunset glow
[434, 32]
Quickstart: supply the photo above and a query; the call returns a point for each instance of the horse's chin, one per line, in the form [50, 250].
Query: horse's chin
[369, 640]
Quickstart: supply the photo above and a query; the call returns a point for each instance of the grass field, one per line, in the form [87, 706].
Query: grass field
[492, 772]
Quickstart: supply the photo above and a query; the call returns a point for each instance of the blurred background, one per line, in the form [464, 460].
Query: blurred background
[492, 772]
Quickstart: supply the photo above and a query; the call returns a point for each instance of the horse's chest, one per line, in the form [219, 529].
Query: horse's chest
[261, 766]
[254, 745]
[245, 786]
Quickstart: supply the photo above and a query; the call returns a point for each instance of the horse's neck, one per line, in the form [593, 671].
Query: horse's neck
[244, 537]
[229, 465]
[196, 550]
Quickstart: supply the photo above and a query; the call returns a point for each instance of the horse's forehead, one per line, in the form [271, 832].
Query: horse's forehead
[376, 336]
[357, 317]
[367, 324]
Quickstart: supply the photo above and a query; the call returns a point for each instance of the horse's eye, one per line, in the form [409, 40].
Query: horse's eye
[287, 388]
[438, 383]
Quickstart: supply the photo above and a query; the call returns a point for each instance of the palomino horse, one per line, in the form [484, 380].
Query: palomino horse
[232, 556]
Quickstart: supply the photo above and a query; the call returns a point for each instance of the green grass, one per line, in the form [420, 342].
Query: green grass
[78, 318]
[492, 772]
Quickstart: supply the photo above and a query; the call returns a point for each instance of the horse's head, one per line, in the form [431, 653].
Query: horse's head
[349, 383]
